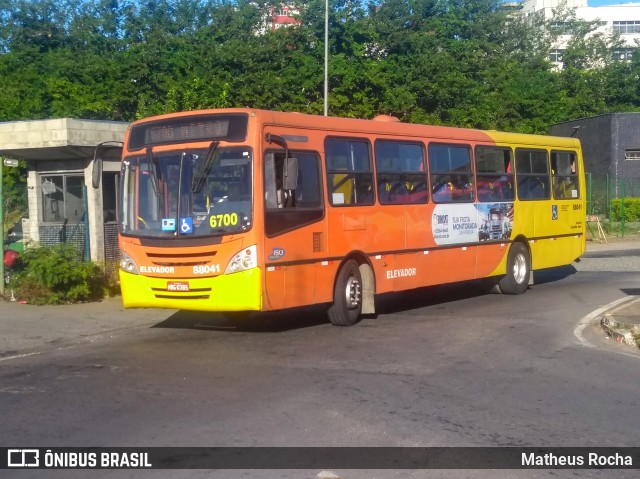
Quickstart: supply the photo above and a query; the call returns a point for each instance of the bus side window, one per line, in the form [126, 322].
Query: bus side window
[494, 177]
[349, 172]
[401, 176]
[451, 174]
[532, 174]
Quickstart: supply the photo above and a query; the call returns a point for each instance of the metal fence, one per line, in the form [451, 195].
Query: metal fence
[615, 203]
[602, 190]
[111, 250]
[51, 235]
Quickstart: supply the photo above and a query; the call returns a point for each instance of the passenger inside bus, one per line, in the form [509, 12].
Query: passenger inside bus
[452, 188]
[532, 188]
[402, 190]
[494, 189]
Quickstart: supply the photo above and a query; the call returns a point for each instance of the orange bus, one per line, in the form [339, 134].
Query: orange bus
[235, 210]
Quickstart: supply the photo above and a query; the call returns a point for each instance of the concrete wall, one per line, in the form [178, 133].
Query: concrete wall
[44, 134]
[595, 135]
[626, 134]
[604, 141]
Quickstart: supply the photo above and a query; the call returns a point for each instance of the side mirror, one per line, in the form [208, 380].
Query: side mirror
[96, 174]
[290, 174]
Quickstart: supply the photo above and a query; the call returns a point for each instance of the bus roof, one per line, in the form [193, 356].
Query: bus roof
[382, 125]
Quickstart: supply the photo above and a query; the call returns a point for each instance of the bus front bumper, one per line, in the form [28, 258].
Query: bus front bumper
[228, 292]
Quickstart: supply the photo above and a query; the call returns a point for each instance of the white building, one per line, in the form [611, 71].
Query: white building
[623, 19]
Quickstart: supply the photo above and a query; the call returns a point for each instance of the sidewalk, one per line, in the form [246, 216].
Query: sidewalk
[621, 323]
[28, 329]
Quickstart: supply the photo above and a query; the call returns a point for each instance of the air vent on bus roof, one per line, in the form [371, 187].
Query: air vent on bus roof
[386, 118]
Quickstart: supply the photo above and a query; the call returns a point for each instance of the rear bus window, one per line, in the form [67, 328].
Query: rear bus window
[349, 172]
[451, 175]
[564, 170]
[400, 173]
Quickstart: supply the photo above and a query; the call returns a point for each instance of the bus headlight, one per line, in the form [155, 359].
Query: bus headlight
[127, 264]
[245, 259]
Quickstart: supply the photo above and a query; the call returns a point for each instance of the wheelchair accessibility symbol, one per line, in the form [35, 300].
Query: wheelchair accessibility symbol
[554, 212]
[186, 226]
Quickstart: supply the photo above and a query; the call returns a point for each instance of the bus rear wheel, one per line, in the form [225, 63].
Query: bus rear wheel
[347, 296]
[516, 280]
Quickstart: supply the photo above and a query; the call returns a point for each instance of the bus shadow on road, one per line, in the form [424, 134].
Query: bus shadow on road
[267, 322]
[552, 275]
[406, 301]
[435, 295]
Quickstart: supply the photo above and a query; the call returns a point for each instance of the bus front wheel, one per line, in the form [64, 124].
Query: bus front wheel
[347, 296]
[516, 280]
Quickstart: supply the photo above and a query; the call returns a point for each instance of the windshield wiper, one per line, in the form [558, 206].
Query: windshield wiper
[200, 177]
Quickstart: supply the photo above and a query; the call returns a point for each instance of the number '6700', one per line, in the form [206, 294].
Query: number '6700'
[217, 221]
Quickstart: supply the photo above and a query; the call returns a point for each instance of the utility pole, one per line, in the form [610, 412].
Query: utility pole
[4, 162]
[326, 57]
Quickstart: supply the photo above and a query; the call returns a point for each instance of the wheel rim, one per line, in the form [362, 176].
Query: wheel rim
[520, 268]
[353, 293]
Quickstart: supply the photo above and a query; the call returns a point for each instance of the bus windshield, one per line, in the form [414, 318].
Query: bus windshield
[187, 192]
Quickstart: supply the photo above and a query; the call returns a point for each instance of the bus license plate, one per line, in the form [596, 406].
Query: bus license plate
[177, 286]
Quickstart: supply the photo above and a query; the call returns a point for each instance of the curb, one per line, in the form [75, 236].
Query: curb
[621, 332]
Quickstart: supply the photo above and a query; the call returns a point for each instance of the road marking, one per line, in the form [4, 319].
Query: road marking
[73, 342]
[592, 316]
[19, 356]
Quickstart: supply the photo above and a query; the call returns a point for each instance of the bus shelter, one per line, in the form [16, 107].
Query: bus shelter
[63, 205]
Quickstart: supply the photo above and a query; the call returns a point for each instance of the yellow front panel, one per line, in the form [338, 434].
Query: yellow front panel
[228, 292]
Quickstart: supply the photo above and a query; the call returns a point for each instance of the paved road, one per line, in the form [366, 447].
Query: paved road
[441, 367]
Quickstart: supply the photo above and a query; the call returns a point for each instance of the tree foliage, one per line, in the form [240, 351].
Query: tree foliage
[454, 62]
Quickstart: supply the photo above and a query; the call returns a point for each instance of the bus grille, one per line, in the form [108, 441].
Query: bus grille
[181, 259]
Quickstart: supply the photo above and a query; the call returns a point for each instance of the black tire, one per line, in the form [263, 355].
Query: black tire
[516, 281]
[347, 296]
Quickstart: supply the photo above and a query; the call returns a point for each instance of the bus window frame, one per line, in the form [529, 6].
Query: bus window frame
[527, 176]
[449, 185]
[404, 178]
[350, 173]
[509, 176]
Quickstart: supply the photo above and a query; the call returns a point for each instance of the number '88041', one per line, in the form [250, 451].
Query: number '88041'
[206, 269]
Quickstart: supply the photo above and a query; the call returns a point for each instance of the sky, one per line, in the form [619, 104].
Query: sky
[600, 3]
